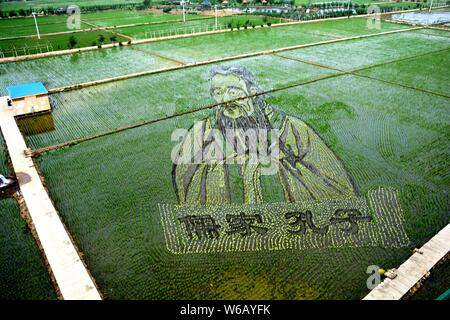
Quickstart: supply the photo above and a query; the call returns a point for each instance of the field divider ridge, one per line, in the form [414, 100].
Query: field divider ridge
[219, 60]
[152, 53]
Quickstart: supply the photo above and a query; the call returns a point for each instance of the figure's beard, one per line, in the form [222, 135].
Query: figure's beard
[256, 121]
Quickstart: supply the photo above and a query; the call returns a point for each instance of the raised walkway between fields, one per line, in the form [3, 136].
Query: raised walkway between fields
[414, 269]
[72, 277]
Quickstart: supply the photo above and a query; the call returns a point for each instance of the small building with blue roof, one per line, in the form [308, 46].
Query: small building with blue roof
[29, 98]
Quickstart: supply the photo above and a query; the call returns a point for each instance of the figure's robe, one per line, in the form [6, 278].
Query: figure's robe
[307, 169]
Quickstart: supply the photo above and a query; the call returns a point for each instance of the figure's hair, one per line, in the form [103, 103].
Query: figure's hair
[238, 71]
[249, 79]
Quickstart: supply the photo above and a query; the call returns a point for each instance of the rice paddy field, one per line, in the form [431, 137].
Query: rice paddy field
[197, 25]
[25, 26]
[117, 18]
[18, 35]
[22, 272]
[380, 103]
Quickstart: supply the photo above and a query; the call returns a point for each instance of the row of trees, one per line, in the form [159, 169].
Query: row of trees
[73, 41]
[247, 24]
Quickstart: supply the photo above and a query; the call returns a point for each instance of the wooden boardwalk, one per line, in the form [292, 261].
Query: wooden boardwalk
[72, 277]
[413, 269]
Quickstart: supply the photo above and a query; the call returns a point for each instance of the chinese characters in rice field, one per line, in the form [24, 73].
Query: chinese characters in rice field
[246, 224]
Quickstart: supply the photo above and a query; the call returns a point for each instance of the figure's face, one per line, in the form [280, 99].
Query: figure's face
[225, 88]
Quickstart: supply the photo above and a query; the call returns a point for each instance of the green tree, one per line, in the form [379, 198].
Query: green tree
[113, 39]
[101, 39]
[72, 42]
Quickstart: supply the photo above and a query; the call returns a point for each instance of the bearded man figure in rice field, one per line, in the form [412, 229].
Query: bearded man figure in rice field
[306, 168]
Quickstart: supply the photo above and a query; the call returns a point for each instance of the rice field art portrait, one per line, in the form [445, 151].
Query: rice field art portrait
[238, 132]
[250, 177]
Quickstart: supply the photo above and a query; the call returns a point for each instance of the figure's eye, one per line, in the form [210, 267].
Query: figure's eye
[217, 91]
[235, 92]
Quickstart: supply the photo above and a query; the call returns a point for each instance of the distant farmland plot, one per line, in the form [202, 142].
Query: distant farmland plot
[15, 27]
[208, 24]
[81, 67]
[41, 4]
[31, 30]
[118, 61]
[117, 18]
[364, 52]
[275, 37]
[57, 42]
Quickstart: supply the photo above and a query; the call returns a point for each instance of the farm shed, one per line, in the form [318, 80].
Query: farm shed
[29, 98]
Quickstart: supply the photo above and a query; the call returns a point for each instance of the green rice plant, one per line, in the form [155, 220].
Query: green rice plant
[43, 4]
[22, 271]
[390, 129]
[230, 43]
[26, 27]
[17, 47]
[172, 28]
[416, 72]
[117, 18]
[80, 67]
[54, 69]
[4, 169]
[343, 28]
[365, 52]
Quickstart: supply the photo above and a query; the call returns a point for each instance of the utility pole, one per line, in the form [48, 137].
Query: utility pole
[348, 9]
[215, 8]
[35, 22]
[431, 6]
[184, 13]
